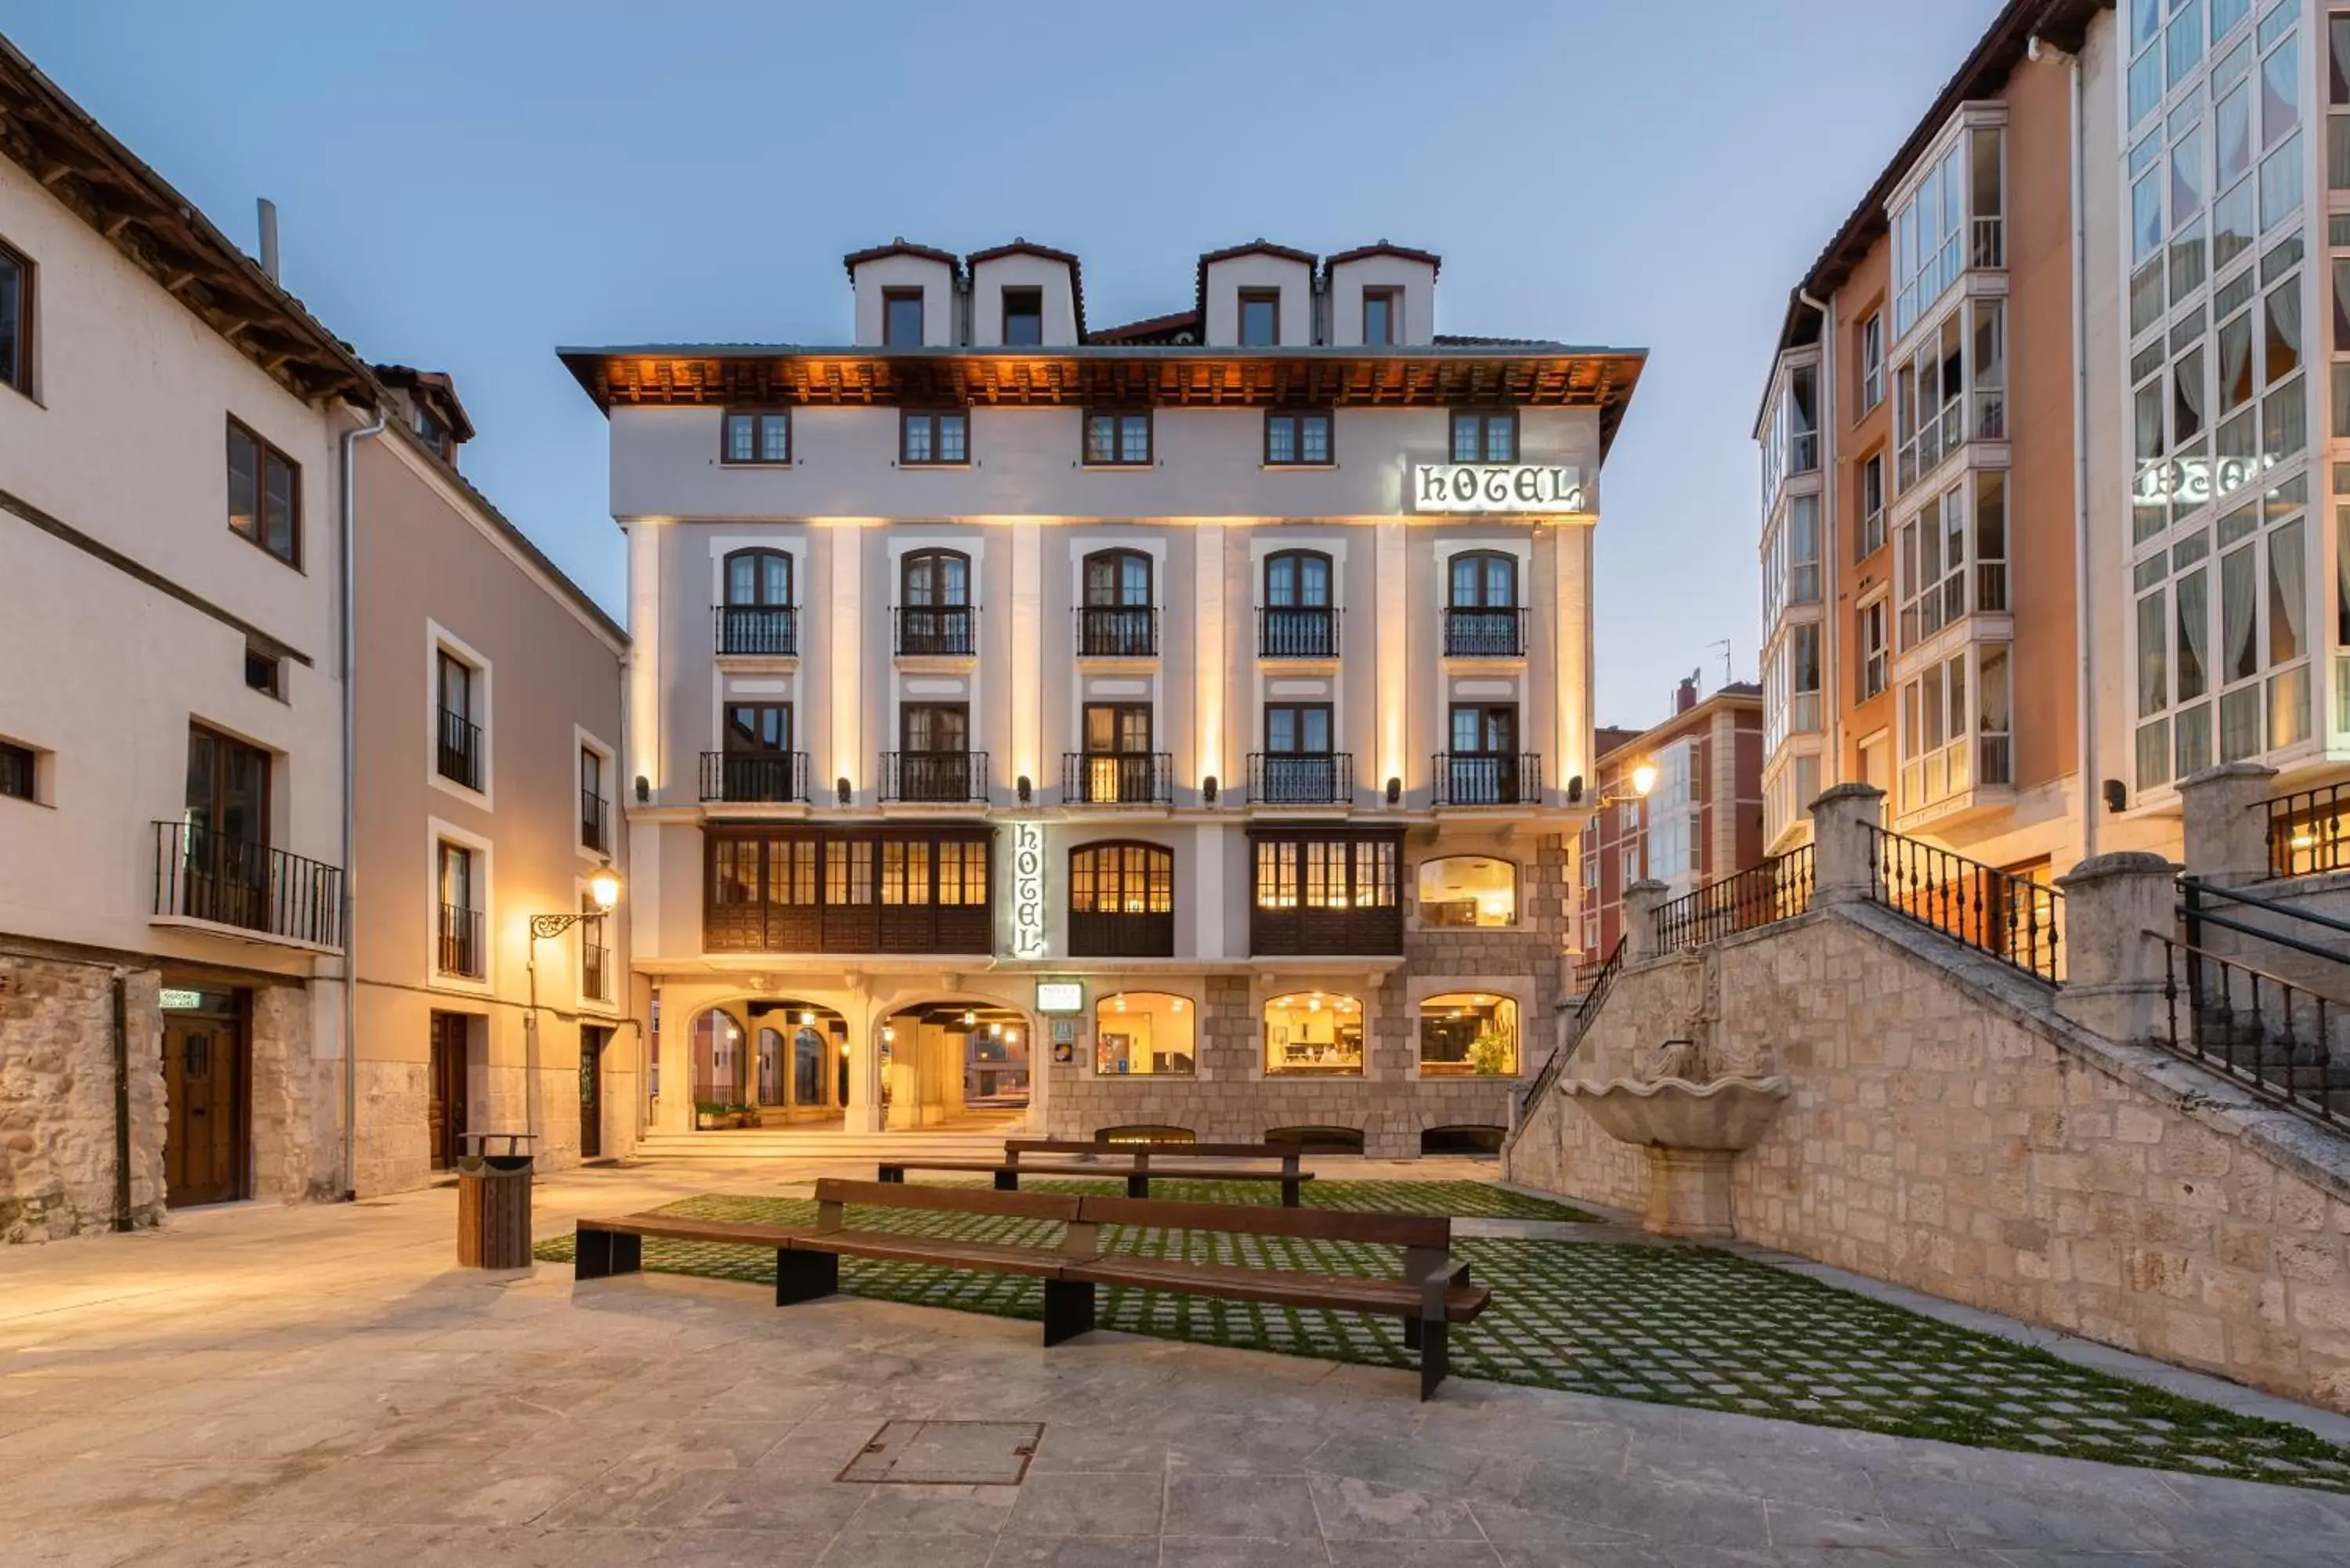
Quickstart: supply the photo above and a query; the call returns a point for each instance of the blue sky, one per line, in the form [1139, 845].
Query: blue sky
[465, 185]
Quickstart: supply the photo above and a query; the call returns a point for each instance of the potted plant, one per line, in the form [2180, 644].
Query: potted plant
[749, 1118]
[709, 1114]
[1489, 1055]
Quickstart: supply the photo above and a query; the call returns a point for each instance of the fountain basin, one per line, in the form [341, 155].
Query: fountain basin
[1692, 1132]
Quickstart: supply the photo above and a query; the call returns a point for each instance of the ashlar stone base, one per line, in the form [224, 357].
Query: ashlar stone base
[1689, 1193]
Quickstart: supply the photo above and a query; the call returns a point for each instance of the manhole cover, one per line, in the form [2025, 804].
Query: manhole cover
[948, 1453]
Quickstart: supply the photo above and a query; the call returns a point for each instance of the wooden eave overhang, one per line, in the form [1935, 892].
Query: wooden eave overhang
[161, 231]
[1132, 376]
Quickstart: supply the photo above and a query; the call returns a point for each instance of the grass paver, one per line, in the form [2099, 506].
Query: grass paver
[1681, 1326]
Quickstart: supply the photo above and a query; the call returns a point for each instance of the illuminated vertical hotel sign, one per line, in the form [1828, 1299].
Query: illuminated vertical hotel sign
[1502, 487]
[1027, 890]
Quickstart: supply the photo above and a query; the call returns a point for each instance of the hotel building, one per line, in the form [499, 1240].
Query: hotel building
[2046, 447]
[1179, 725]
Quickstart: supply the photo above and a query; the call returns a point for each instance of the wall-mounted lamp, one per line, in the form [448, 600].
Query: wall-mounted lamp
[840, 790]
[2117, 796]
[1395, 791]
[644, 789]
[1027, 789]
[1642, 778]
[1574, 790]
[1208, 790]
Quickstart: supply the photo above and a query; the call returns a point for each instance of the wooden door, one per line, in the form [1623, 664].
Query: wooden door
[445, 1119]
[204, 1083]
[591, 1091]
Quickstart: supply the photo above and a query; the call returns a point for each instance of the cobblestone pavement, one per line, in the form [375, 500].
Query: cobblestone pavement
[318, 1386]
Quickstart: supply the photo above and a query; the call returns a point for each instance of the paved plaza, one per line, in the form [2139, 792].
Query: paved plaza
[319, 1385]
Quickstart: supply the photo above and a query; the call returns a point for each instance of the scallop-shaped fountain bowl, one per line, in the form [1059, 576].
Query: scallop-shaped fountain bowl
[1726, 1115]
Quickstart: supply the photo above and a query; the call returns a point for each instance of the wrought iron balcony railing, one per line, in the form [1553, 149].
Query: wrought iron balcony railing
[1484, 633]
[944, 778]
[758, 630]
[1118, 778]
[1288, 778]
[461, 949]
[1118, 631]
[951, 631]
[1298, 631]
[205, 875]
[461, 749]
[1465, 778]
[764, 778]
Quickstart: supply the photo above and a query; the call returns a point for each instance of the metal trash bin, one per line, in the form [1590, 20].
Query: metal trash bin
[493, 1202]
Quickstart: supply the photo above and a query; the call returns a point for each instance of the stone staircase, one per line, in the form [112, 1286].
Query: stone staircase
[2263, 1047]
[783, 1143]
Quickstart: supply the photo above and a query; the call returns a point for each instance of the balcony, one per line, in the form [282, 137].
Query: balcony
[1298, 631]
[1481, 633]
[209, 878]
[756, 631]
[936, 778]
[461, 949]
[1122, 778]
[1466, 778]
[461, 749]
[1118, 631]
[595, 822]
[1286, 778]
[937, 631]
[760, 778]
[595, 969]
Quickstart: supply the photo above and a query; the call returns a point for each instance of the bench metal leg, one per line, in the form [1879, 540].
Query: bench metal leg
[1007, 1181]
[1412, 1334]
[1068, 1309]
[1137, 1186]
[805, 1276]
[1434, 1363]
[894, 1173]
[603, 1253]
[1289, 1194]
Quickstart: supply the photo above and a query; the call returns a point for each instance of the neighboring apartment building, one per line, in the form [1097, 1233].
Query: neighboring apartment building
[1175, 726]
[174, 902]
[2045, 520]
[1698, 820]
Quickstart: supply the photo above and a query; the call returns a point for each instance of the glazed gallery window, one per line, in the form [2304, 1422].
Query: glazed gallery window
[1118, 439]
[1297, 441]
[1791, 443]
[852, 890]
[1869, 537]
[1957, 727]
[15, 321]
[932, 438]
[1467, 1034]
[1950, 223]
[265, 500]
[1485, 435]
[1325, 892]
[1121, 900]
[1951, 557]
[1872, 361]
[1472, 890]
[1146, 1033]
[1870, 642]
[1962, 363]
[1314, 1034]
[757, 438]
[1791, 557]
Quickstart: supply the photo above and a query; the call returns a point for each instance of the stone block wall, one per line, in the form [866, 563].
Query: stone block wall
[296, 1098]
[57, 1097]
[1947, 1132]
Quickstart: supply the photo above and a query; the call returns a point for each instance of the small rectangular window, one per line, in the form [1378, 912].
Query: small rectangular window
[1118, 439]
[1297, 440]
[264, 671]
[1485, 435]
[18, 768]
[1382, 310]
[1260, 317]
[15, 321]
[265, 502]
[1872, 361]
[901, 318]
[933, 438]
[1024, 318]
[757, 438]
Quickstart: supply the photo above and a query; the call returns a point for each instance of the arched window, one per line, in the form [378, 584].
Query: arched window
[1319, 1140]
[1146, 1033]
[1484, 580]
[1299, 620]
[1464, 1033]
[1297, 579]
[757, 617]
[1468, 891]
[758, 578]
[1146, 1132]
[1314, 1034]
[934, 602]
[1117, 619]
[1117, 578]
[1121, 900]
[717, 1060]
[1481, 618]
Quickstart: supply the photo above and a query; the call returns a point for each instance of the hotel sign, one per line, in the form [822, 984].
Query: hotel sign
[1500, 487]
[1027, 890]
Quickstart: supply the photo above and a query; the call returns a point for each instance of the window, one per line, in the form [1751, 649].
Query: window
[1485, 435]
[461, 748]
[1260, 317]
[1024, 318]
[1118, 439]
[1122, 901]
[1475, 890]
[1312, 1034]
[428, 430]
[1791, 565]
[1116, 619]
[1930, 389]
[1791, 686]
[265, 671]
[847, 889]
[1467, 1033]
[1325, 892]
[757, 438]
[1943, 753]
[1298, 766]
[942, 439]
[1953, 221]
[595, 809]
[1297, 440]
[1871, 641]
[264, 503]
[934, 577]
[461, 949]
[1872, 361]
[1297, 729]
[18, 770]
[595, 957]
[721, 1064]
[1145, 1032]
[1382, 317]
[15, 321]
[1964, 528]
[1117, 578]
[1792, 441]
[1297, 579]
[1483, 579]
[901, 318]
[1298, 620]
[1117, 766]
[1869, 537]
[758, 618]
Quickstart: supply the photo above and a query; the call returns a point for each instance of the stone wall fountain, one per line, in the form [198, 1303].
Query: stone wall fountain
[1693, 1110]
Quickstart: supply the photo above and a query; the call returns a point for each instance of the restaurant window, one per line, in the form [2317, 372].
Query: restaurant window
[1146, 1034]
[1024, 318]
[1472, 890]
[757, 438]
[933, 438]
[1465, 1033]
[1118, 439]
[264, 504]
[1297, 440]
[16, 320]
[1382, 317]
[1260, 317]
[1314, 1034]
[901, 318]
[1489, 435]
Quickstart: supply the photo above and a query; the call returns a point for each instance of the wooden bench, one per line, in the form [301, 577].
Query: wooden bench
[1433, 1293]
[1132, 1161]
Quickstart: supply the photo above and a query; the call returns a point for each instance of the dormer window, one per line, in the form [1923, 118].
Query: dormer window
[1382, 309]
[429, 431]
[1260, 317]
[1024, 318]
[901, 318]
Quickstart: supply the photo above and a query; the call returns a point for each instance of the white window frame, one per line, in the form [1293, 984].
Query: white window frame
[583, 741]
[436, 831]
[604, 1006]
[1873, 659]
[1872, 361]
[439, 639]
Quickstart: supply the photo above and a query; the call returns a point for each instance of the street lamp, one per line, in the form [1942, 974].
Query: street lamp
[604, 892]
[1643, 779]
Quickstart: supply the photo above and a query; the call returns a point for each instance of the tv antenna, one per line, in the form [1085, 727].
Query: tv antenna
[1724, 646]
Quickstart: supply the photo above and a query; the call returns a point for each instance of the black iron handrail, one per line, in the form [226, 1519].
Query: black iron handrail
[938, 778]
[594, 960]
[2306, 831]
[1118, 778]
[1118, 631]
[461, 749]
[2261, 1033]
[1294, 778]
[1484, 632]
[1479, 778]
[755, 777]
[938, 629]
[2011, 918]
[758, 630]
[1778, 889]
[205, 875]
[1595, 997]
[462, 951]
[595, 819]
[1298, 631]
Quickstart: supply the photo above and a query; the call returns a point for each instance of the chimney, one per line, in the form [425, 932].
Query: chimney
[1685, 698]
[269, 241]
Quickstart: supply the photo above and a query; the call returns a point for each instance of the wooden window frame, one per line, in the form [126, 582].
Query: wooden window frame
[1295, 558]
[1249, 297]
[919, 299]
[829, 889]
[1340, 926]
[1118, 555]
[757, 553]
[1487, 421]
[1117, 442]
[727, 733]
[263, 454]
[1297, 438]
[1098, 933]
[1392, 297]
[905, 418]
[1517, 596]
[758, 458]
[18, 373]
[1330, 728]
[1024, 291]
[25, 765]
[905, 578]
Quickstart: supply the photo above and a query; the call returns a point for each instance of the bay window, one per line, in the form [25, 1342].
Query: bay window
[1956, 726]
[1790, 559]
[1953, 221]
[1791, 686]
[1935, 387]
[1790, 441]
[1952, 556]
